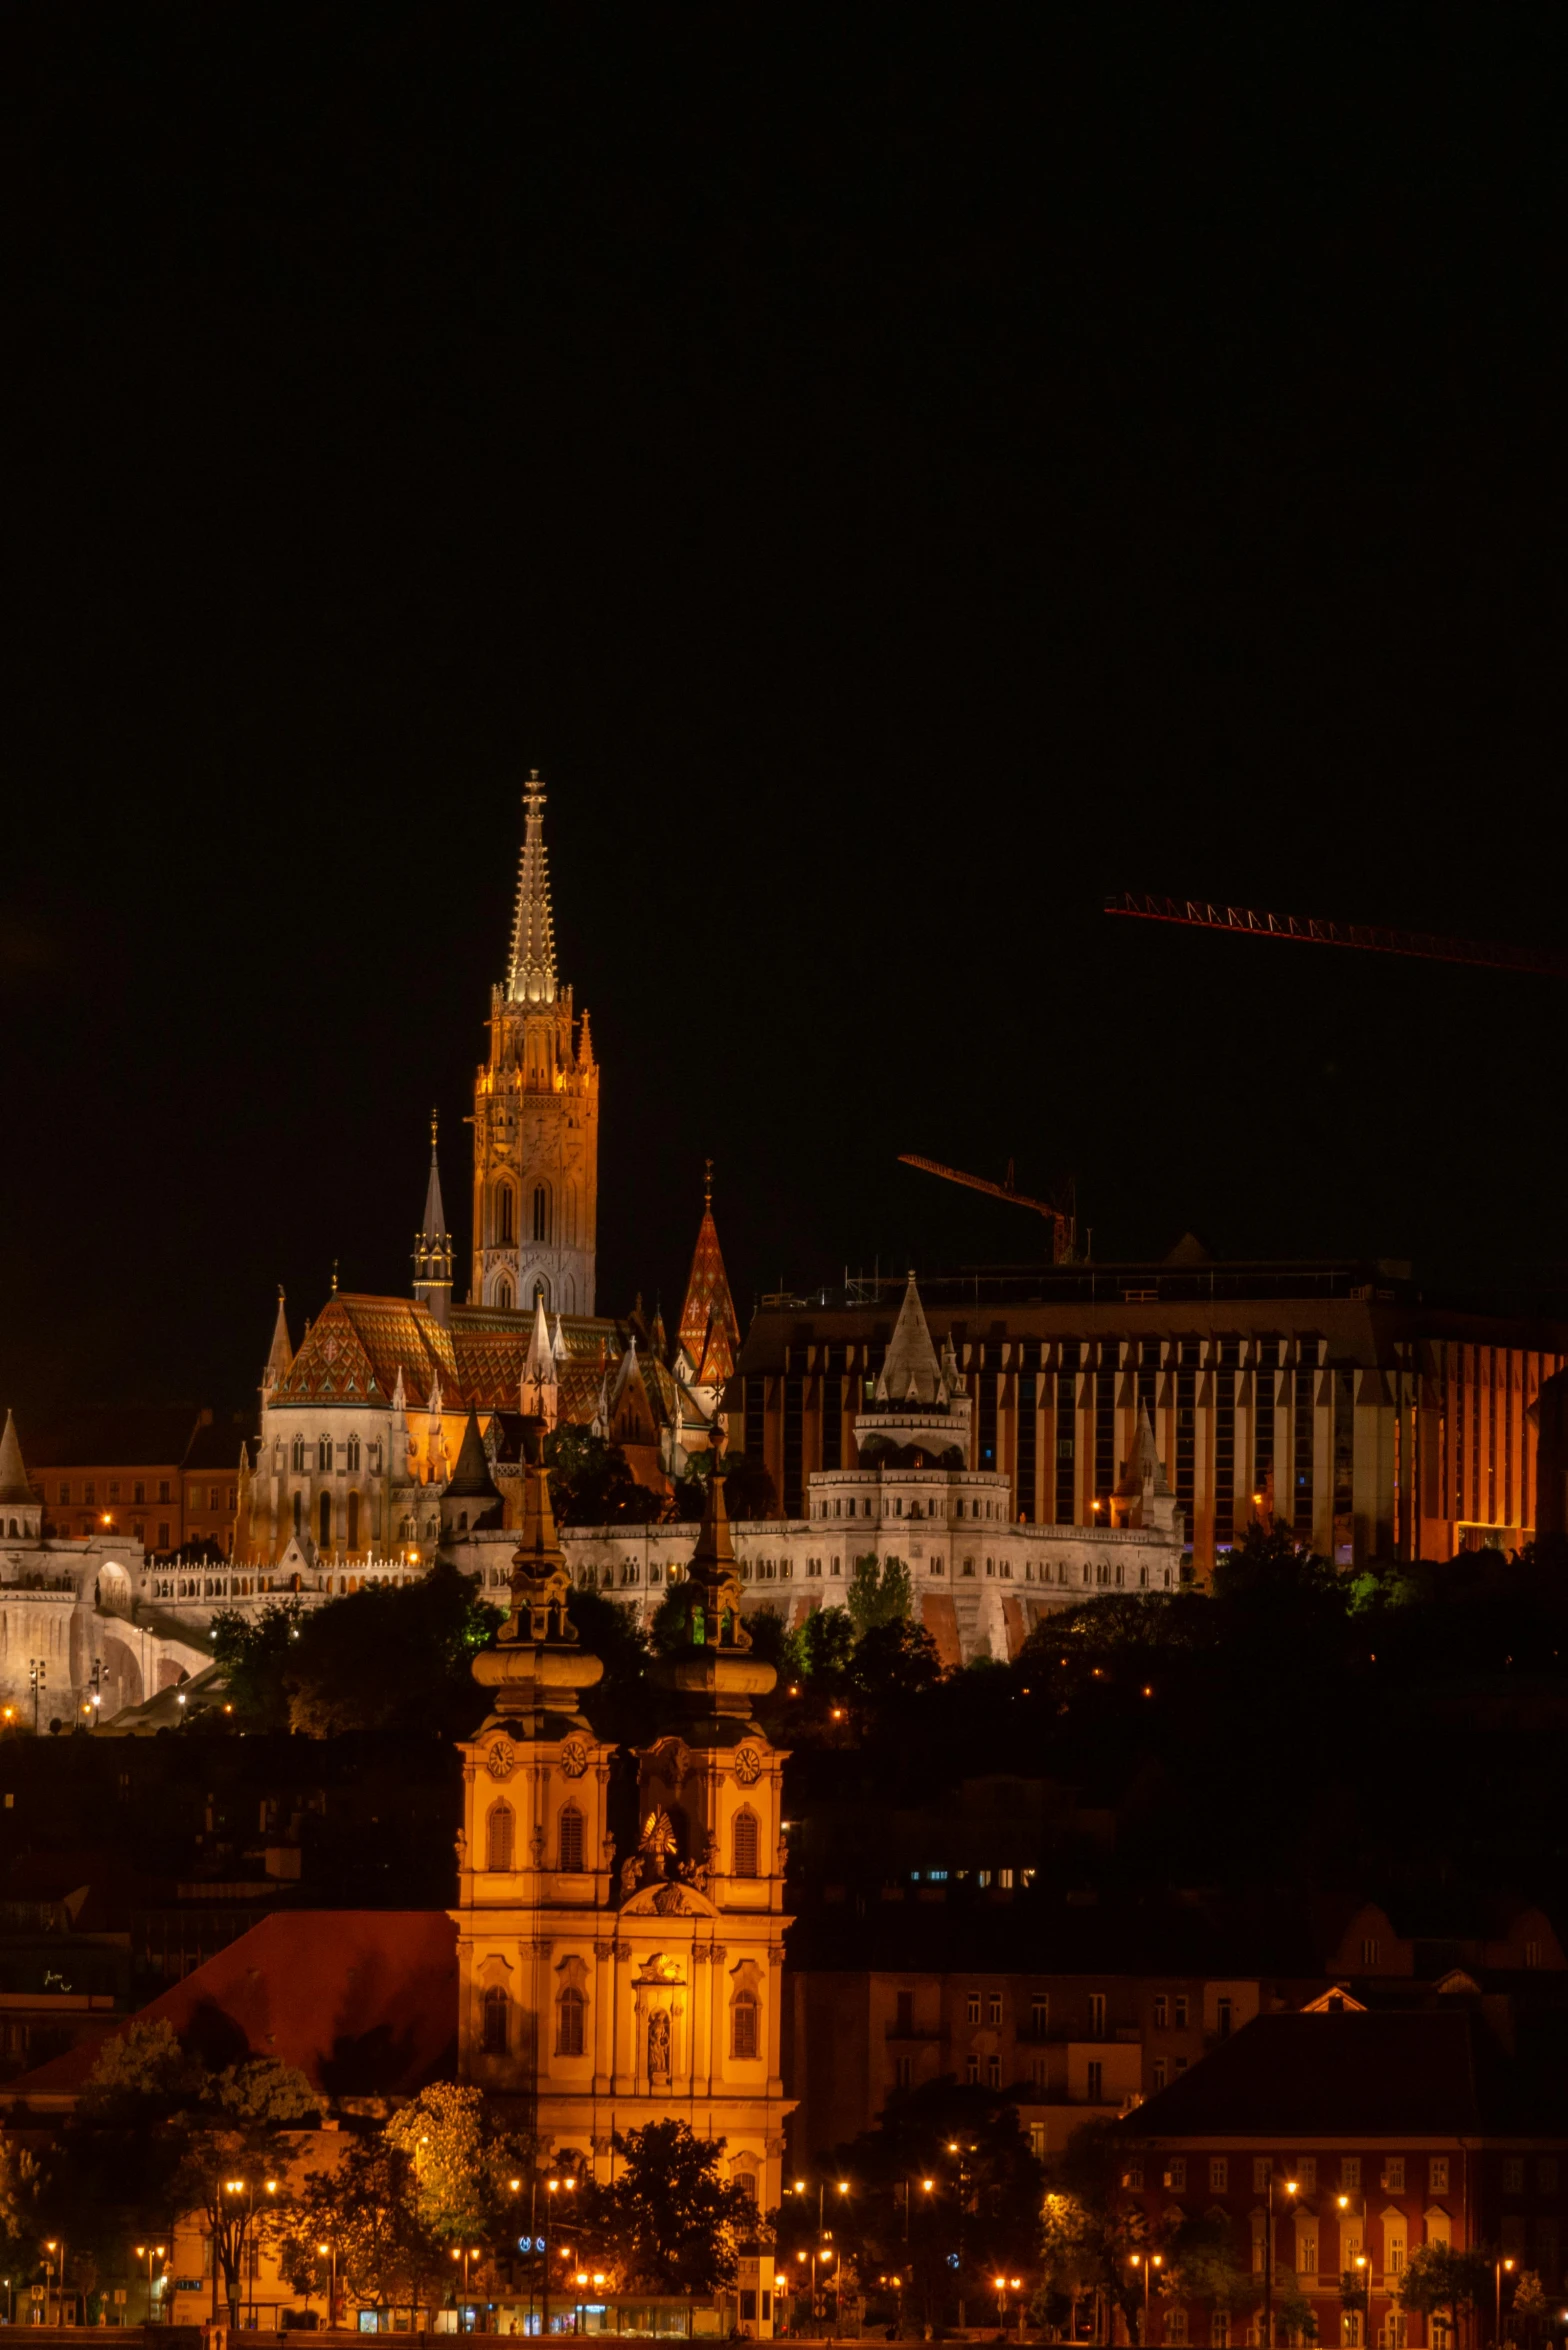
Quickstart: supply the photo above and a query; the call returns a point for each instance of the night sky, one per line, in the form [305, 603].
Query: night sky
[899, 474]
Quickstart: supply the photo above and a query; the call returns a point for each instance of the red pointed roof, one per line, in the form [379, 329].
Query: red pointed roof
[709, 1331]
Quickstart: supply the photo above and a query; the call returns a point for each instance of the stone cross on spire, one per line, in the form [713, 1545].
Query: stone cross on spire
[530, 971]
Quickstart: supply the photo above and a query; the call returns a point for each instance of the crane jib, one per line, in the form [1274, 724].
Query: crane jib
[1312, 930]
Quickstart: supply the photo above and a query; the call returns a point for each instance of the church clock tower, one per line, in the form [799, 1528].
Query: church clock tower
[599, 1996]
[536, 1117]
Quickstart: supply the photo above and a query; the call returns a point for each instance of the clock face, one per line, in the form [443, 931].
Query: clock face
[748, 1766]
[574, 1758]
[501, 1758]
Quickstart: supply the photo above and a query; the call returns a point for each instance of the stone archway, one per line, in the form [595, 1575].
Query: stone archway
[122, 1682]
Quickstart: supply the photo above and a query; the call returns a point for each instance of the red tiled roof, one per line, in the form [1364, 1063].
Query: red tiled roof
[364, 2002]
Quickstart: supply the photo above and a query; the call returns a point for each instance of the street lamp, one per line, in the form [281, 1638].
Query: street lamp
[1501, 2265]
[329, 2254]
[1154, 2261]
[552, 2188]
[1291, 2187]
[149, 2253]
[1364, 2278]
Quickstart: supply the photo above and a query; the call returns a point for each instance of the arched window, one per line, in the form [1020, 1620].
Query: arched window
[747, 2180]
[495, 2033]
[298, 1507]
[505, 1216]
[541, 1212]
[503, 1294]
[572, 1839]
[743, 2025]
[570, 2011]
[745, 1844]
[353, 1452]
[353, 1521]
[498, 1837]
[324, 1455]
[297, 1456]
[325, 1520]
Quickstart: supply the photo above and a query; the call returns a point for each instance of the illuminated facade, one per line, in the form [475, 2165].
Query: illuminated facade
[1335, 1397]
[606, 1985]
[536, 1117]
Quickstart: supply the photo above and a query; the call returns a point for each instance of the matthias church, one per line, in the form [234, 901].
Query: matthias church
[363, 1422]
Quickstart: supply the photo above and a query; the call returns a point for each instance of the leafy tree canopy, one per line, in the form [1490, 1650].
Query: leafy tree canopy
[671, 2223]
[591, 1483]
[880, 1592]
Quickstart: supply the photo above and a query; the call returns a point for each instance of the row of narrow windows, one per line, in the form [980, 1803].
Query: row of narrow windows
[505, 1199]
[571, 2026]
[844, 1505]
[327, 1455]
[501, 1840]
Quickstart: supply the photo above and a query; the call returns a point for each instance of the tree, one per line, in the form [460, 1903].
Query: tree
[748, 1489]
[460, 2160]
[1529, 2303]
[1440, 2282]
[670, 2223]
[235, 2159]
[773, 1641]
[254, 1653]
[192, 2138]
[364, 2212]
[827, 1641]
[894, 1660]
[1199, 2265]
[23, 2180]
[390, 1657]
[879, 1592]
[591, 1483]
[983, 2205]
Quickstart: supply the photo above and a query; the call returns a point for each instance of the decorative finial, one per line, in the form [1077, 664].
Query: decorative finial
[434, 1119]
[334, 1276]
[707, 1183]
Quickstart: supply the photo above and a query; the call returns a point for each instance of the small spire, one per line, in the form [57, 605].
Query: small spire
[433, 1244]
[709, 1331]
[13, 1469]
[280, 1355]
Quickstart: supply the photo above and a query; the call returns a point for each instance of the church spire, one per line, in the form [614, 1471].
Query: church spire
[14, 1485]
[709, 1332]
[530, 970]
[433, 1244]
[280, 1355]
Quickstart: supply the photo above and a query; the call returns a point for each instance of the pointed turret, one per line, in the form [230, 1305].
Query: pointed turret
[538, 1667]
[911, 1373]
[280, 1355]
[433, 1244]
[530, 970]
[540, 1395]
[472, 1498]
[13, 1469]
[1144, 1497]
[709, 1333]
[23, 1515]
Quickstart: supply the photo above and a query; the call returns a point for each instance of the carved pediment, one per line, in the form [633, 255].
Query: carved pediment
[668, 1900]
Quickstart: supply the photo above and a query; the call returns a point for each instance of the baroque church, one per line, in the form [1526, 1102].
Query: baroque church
[363, 1423]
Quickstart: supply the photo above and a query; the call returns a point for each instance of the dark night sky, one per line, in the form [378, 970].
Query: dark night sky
[899, 476]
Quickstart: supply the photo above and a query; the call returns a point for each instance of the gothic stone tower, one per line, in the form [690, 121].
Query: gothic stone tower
[604, 1997]
[536, 1117]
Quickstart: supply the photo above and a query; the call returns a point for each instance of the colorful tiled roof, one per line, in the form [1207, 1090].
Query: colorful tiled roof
[354, 1350]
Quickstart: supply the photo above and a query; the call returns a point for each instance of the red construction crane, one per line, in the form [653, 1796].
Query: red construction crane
[1308, 930]
[1063, 1223]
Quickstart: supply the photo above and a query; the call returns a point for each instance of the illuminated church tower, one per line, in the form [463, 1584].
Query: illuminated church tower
[607, 1984]
[536, 1117]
